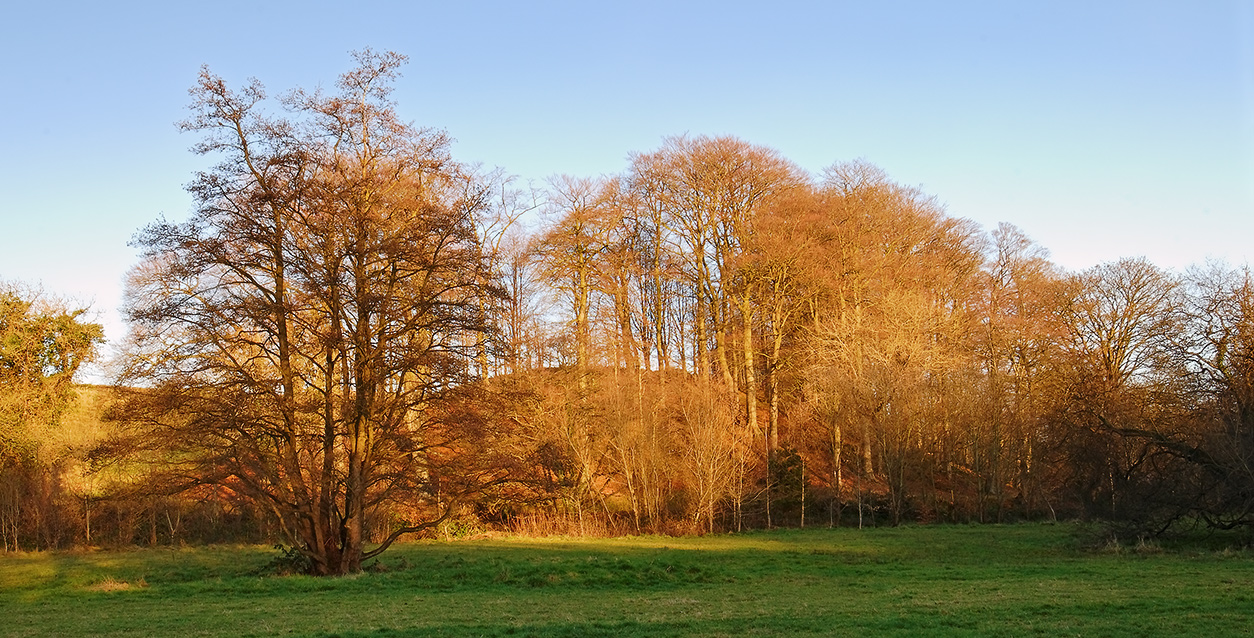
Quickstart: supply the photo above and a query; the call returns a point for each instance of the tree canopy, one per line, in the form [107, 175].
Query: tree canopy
[43, 343]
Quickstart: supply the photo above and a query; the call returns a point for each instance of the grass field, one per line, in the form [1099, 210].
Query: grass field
[936, 580]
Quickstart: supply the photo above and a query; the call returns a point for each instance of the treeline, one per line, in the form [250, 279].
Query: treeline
[354, 338]
[851, 339]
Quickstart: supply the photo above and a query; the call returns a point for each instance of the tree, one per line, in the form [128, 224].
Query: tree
[711, 442]
[43, 344]
[521, 323]
[302, 338]
[888, 317]
[505, 254]
[1216, 356]
[1018, 346]
[777, 270]
[1120, 322]
[1184, 434]
[570, 252]
[1121, 319]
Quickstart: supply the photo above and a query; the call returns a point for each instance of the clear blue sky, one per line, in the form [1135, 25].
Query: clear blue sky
[1102, 129]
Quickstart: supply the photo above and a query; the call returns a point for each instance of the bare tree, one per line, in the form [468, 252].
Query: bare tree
[571, 253]
[711, 442]
[887, 319]
[299, 335]
[500, 234]
[1216, 353]
[1121, 319]
[1018, 344]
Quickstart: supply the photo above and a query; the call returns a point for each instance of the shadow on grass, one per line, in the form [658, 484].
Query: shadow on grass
[763, 626]
[632, 563]
[870, 623]
[662, 563]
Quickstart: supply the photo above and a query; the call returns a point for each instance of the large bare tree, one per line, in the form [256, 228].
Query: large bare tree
[301, 334]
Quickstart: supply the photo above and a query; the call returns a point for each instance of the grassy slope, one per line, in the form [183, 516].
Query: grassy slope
[940, 580]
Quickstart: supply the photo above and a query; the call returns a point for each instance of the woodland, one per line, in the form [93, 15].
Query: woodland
[354, 338]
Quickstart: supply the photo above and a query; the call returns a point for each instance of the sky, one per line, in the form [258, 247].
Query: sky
[1101, 129]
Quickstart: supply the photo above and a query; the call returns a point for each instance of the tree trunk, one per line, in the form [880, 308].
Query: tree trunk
[751, 384]
[867, 468]
[836, 450]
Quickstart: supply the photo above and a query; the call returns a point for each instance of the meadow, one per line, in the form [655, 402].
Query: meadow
[935, 580]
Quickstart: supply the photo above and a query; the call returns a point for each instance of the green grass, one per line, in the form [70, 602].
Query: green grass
[939, 580]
